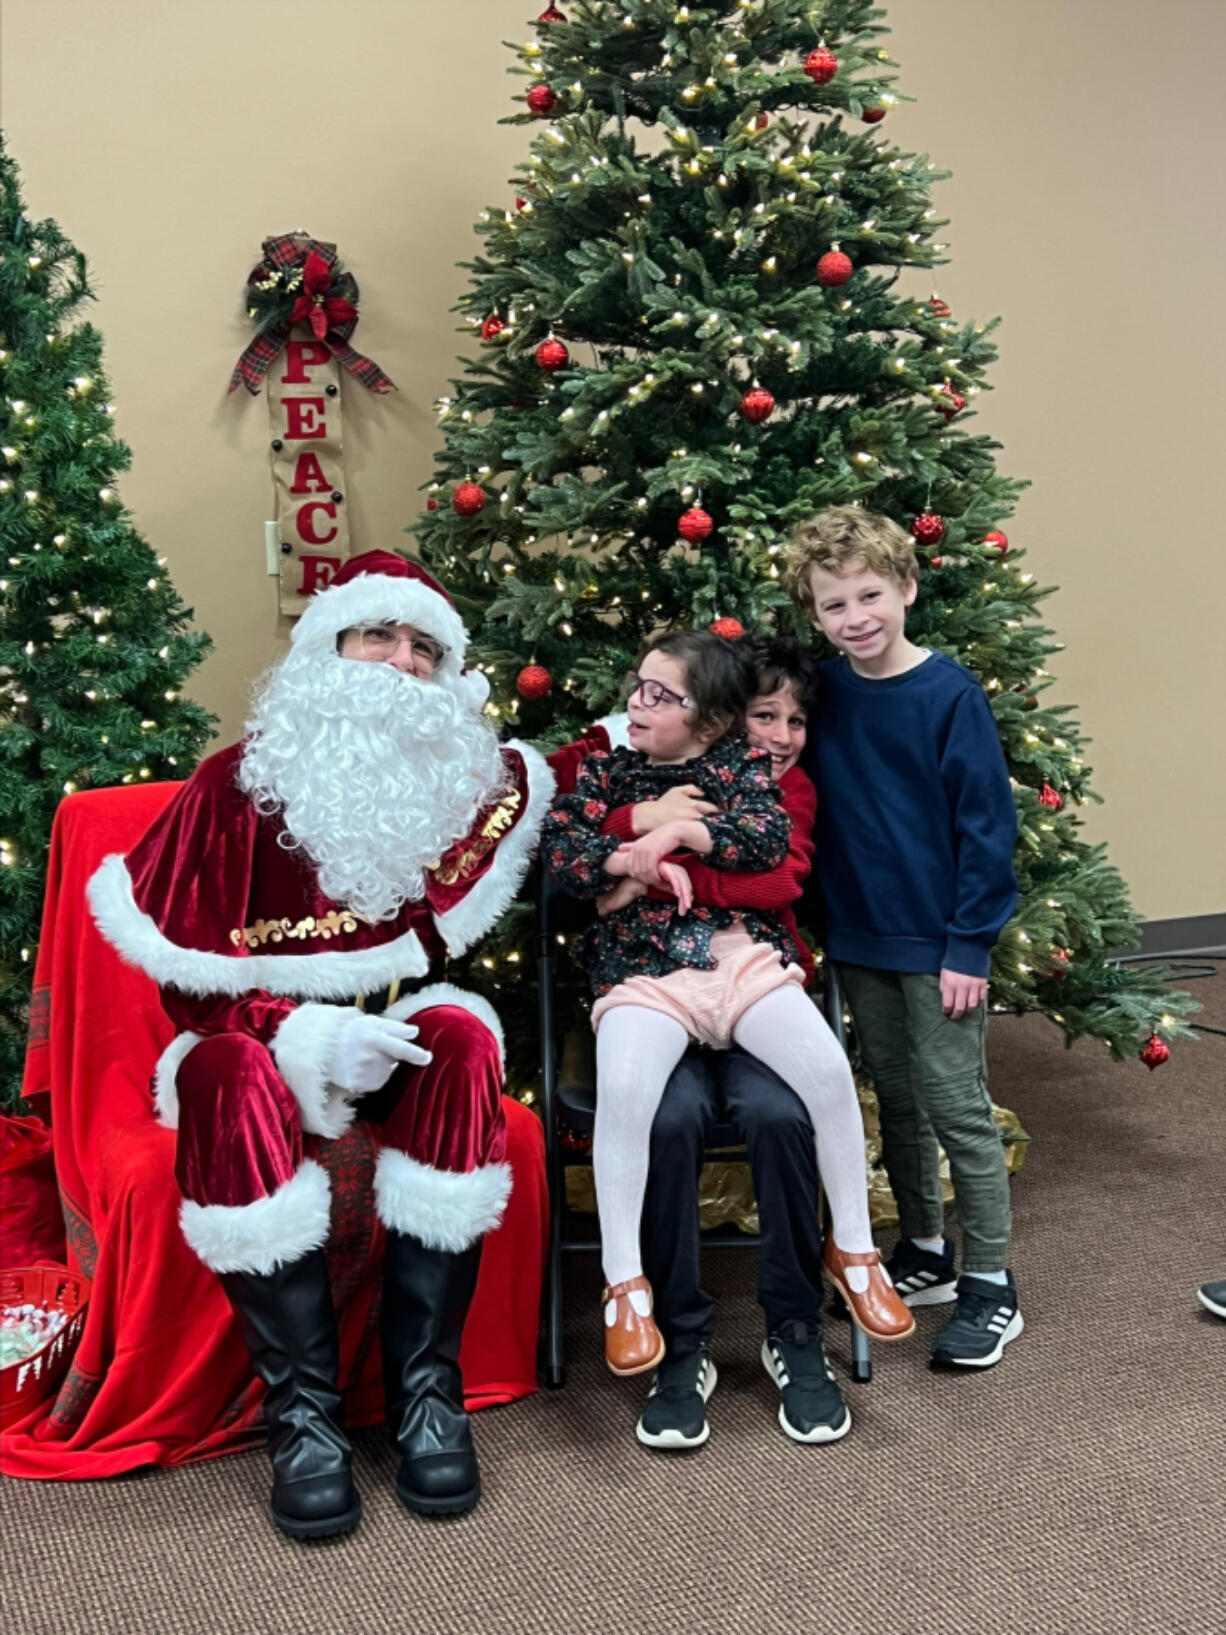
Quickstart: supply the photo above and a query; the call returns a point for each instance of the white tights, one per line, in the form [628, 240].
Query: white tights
[636, 1052]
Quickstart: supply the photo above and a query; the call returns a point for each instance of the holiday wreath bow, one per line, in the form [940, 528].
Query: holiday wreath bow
[301, 281]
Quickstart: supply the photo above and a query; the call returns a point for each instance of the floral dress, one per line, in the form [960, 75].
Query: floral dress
[750, 832]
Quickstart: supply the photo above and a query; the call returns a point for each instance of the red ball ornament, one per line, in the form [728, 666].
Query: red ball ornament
[998, 538]
[953, 404]
[695, 525]
[551, 14]
[492, 327]
[938, 308]
[936, 561]
[534, 681]
[730, 629]
[467, 499]
[1050, 798]
[821, 66]
[928, 528]
[542, 100]
[762, 121]
[520, 202]
[1060, 958]
[1154, 1052]
[551, 355]
[834, 269]
[873, 116]
[431, 505]
[757, 405]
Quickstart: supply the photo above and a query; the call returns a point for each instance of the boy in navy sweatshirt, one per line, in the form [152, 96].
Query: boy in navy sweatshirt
[916, 827]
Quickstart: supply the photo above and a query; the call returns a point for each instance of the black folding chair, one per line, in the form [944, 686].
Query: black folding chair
[576, 1103]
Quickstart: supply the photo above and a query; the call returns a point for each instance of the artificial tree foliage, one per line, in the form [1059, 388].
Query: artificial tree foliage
[713, 208]
[95, 643]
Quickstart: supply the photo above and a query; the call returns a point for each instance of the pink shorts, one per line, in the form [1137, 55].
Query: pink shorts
[709, 1004]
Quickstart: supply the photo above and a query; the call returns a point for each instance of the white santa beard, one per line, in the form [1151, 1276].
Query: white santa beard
[373, 773]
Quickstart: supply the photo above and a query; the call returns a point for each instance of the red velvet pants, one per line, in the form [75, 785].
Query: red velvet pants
[240, 1132]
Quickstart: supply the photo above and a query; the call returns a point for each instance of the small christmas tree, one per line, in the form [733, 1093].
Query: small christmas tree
[705, 313]
[94, 641]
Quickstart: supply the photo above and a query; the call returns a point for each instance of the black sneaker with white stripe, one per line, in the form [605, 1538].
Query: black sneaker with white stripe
[675, 1414]
[985, 1320]
[921, 1277]
[1213, 1297]
[811, 1407]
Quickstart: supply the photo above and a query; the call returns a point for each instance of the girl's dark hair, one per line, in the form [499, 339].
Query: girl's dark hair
[717, 677]
[780, 661]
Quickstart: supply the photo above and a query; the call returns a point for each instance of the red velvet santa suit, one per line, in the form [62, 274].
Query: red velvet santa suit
[260, 971]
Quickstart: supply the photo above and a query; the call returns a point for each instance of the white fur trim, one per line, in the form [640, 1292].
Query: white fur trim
[268, 1233]
[375, 597]
[474, 689]
[165, 1078]
[487, 901]
[446, 993]
[440, 1208]
[334, 976]
[303, 1047]
[618, 729]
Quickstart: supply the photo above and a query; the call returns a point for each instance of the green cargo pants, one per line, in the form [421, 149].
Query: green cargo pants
[930, 1075]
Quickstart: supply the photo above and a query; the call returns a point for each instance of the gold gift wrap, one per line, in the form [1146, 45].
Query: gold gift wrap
[725, 1192]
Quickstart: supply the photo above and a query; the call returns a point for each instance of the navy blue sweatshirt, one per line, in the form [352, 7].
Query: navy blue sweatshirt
[916, 820]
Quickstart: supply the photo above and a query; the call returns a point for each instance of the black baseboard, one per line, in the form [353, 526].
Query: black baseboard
[1194, 934]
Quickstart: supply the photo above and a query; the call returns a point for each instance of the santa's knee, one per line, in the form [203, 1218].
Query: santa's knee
[442, 1176]
[239, 1130]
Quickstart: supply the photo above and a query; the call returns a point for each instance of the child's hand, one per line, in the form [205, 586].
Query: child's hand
[677, 880]
[961, 994]
[623, 893]
[683, 804]
[617, 864]
[644, 856]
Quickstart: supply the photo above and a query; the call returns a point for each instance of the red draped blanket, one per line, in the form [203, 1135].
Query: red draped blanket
[161, 1376]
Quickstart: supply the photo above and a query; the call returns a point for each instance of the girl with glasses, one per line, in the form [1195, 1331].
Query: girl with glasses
[667, 969]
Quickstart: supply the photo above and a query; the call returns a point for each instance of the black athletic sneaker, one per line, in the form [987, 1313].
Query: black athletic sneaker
[811, 1408]
[1213, 1297]
[675, 1414]
[921, 1277]
[985, 1319]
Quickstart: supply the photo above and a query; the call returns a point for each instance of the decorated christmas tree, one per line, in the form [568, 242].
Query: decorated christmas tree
[94, 640]
[705, 312]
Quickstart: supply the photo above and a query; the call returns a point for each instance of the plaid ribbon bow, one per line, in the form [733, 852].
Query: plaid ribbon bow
[328, 302]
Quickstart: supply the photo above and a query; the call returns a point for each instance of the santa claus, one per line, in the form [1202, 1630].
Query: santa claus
[293, 903]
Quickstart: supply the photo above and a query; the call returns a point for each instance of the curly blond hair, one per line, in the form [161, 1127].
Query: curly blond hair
[847, 539]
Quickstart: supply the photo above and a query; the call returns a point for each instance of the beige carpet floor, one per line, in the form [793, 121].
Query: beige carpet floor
[1078, 1489]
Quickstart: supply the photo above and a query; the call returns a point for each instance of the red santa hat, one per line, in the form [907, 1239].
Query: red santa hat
[380, 587]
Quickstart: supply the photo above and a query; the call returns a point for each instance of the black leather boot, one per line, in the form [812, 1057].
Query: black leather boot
[426, 1296]
[289, 1328]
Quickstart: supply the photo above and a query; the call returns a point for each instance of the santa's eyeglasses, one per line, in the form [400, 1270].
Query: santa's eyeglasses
[383, 641]
[653, 694]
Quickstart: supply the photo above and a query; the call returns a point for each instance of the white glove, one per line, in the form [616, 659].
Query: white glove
[368, 1050]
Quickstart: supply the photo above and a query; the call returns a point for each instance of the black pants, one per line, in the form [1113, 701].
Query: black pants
[708, 1085]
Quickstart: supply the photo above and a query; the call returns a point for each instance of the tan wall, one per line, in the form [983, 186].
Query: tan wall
[1088, 147]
